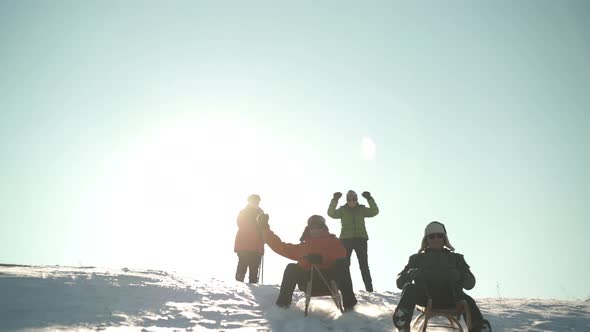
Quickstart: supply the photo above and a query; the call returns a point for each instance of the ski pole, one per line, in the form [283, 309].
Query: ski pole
[262, 270]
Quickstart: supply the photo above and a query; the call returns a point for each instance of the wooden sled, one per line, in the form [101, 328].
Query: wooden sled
[331, 289]
[452, 314]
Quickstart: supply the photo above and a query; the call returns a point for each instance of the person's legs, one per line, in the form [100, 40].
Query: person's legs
[340, 272]
[242, 266]
[411, 295]
[441, 290]
[349, 246]
[477, 321]
[292, 276]
[362, 256]
[253, 266]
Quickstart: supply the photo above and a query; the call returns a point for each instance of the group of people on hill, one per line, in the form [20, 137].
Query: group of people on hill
[434, 268]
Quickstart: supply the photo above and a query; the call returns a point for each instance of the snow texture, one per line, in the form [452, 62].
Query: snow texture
[53, 298]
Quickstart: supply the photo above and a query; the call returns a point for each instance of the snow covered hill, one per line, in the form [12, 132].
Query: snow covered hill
[52, 298]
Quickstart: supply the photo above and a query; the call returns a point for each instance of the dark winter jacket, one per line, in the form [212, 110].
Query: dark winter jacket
[248, 237]
[326, 245]
[353, 218]
[441, 264]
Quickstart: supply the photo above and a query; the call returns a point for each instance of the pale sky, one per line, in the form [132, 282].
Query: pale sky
[132, 132]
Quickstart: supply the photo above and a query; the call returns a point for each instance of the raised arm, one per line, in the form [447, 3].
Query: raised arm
[333, 212]
[291, 251]
[372, 210]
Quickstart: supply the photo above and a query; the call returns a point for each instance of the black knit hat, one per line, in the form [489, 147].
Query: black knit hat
[316, 220]
[313, 221]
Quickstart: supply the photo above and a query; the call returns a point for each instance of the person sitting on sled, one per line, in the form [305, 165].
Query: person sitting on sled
[435, 264]
[317, 246]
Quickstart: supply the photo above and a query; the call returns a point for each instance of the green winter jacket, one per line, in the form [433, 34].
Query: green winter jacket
[353, 218]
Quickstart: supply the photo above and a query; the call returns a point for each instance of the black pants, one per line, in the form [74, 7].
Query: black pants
[360, 246]
[248, 260]
[295, 275]
[413, 294]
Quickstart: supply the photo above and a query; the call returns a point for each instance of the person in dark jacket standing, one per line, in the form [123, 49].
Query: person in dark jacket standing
[353, 233]
[436, 264]
[249, 244]
[317, 246]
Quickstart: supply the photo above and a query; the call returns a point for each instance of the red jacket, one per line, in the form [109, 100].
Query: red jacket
[328, 245]
[249, 237]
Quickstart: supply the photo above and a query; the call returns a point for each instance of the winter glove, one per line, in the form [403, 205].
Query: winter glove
[262, 220]
[366, 194]
[337, 195]
[314, 258]
[467, 280]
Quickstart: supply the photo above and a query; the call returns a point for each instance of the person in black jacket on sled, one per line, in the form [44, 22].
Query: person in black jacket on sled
[436, 269]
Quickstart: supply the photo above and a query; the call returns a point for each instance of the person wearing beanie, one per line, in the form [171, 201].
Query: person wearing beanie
[353, 233]
[317, 246]
[438, 272]
[248, 243]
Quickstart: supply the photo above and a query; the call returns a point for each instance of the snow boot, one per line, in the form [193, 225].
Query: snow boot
[283, 305]
[350, 306]
[402, 320]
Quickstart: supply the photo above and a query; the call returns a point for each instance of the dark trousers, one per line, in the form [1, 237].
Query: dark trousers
[248, 260]
[360, 247]
[413, 294]
[295, 275]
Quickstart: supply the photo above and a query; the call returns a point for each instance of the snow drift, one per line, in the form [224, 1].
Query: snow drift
[50, 298]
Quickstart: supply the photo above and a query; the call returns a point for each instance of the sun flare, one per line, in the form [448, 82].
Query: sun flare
[183, 188]
[368, 148]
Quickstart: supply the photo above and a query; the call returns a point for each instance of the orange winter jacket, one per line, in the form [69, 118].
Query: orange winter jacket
[249, 237]
[328, 245]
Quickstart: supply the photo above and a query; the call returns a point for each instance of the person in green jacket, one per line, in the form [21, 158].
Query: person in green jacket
[353, 233]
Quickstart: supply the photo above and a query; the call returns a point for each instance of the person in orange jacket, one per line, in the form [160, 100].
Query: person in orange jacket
[249, 244]
[317, 245]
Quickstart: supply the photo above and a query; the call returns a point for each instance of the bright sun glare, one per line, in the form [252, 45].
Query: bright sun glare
[368, 148]
[181, 191]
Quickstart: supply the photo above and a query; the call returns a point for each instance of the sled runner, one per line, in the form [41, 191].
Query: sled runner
[325, 288]
[452, 314]
[452, 310]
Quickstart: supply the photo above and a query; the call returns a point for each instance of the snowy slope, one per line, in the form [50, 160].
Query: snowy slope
[54, 298]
